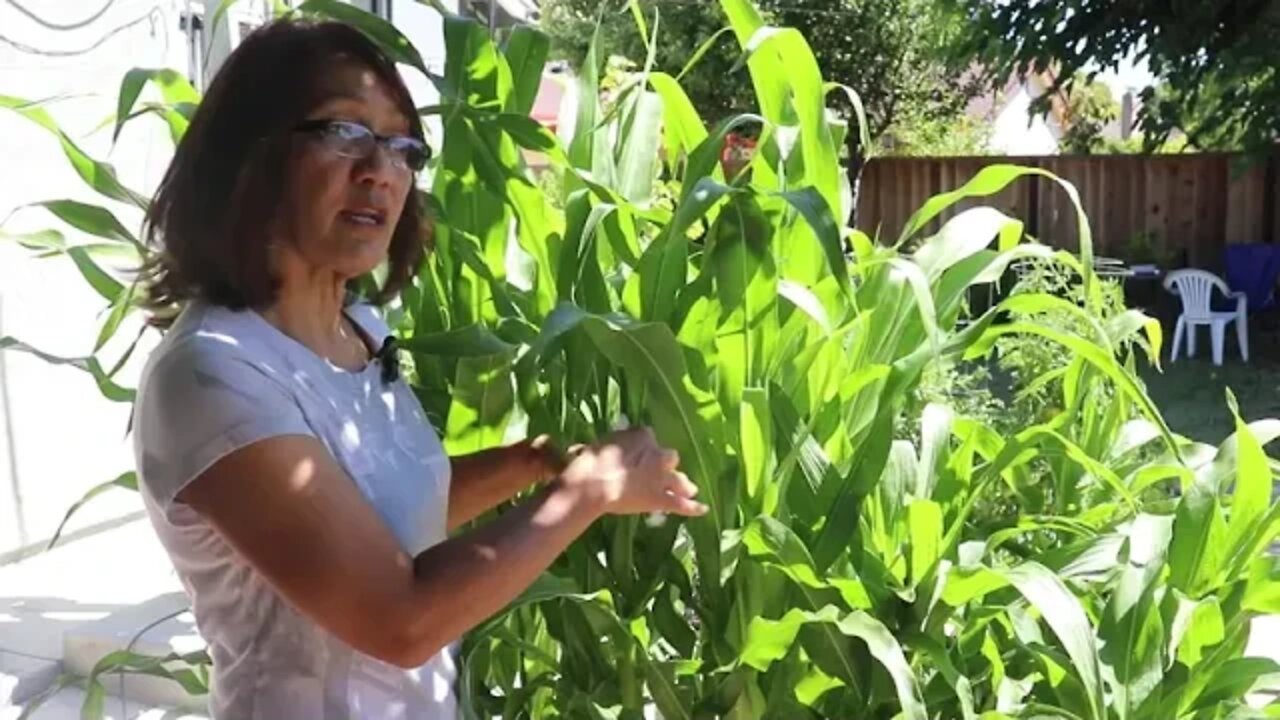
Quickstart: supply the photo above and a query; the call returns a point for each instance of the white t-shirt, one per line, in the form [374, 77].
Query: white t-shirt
[220, 380]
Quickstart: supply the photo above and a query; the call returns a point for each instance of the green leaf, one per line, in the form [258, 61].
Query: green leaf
[637, 168]
[701, 52]
[526, 53]
[684, 417]
[818, 214]
[1199, 548]
[40, 240]
[660, 678]
[806, 302]
[105, 285]
[1089, 352]
[651, 351]
[1233, 679]
[93, 707]
[924, 523]
[1262, 591]
[782, 59]
[129, 662]
[773, 543]
[469, 341]
[988, 181]
[1060, 609]
[92, 219]
[120, 308]
[1131, 630]
[387, 37]
[770, 640]
[859, 114]
[483, 401]
[682, 127]
[588, 150]
[1253, 483]
[935, 437]
[965, 584]
[664, 265]
[106, 386]
[919, 286]
[638, 16]
[962, 237]
[178, 119]
[745, 283]
[98, 175]
[704, 162]
[1196, 626]
[174, 88]
[755, 436]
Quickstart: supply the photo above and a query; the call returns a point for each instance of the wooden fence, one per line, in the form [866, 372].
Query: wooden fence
[1182, 208]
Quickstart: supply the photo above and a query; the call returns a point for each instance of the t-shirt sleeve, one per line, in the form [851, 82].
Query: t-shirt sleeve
[200, 402]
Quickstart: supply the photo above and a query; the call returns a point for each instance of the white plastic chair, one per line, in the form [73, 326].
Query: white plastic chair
[1196, 287]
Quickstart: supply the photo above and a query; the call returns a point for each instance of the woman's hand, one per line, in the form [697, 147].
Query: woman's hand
[629, 473]
[543, 460]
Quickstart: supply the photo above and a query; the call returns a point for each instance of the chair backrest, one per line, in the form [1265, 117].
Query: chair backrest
[1195, 287]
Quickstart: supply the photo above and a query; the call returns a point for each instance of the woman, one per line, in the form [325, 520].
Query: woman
[302, 495]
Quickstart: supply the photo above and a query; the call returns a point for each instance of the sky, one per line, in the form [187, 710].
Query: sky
[1132, 74]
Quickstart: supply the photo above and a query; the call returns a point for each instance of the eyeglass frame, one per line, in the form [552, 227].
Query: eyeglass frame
[400, 158]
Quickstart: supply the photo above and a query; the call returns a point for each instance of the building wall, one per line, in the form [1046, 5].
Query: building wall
[58, 436]
[1016, 132]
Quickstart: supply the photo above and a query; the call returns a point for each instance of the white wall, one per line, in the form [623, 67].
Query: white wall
[58, 437]
[1016, 131]
[424, 27]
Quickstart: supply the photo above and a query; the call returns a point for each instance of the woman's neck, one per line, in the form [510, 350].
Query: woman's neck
[309, 308]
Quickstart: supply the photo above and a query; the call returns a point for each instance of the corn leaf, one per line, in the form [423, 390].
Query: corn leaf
[98, 175]
[770, 640]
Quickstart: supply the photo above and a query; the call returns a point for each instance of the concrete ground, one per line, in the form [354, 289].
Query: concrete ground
[65, 609]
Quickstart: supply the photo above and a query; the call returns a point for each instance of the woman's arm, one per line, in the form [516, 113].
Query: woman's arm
[291, 512]
[483, 480]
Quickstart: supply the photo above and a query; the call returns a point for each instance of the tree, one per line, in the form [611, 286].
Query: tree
[1090, 108]
[1216, 58]
[889, 51]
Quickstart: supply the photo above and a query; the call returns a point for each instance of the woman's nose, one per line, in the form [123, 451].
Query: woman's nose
[379, 166]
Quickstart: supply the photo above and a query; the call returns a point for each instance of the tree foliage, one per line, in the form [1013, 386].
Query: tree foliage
[1090, 108]
[1216, 58]
[889, 50]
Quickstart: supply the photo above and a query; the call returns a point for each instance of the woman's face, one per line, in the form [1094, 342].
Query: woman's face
[340, 211]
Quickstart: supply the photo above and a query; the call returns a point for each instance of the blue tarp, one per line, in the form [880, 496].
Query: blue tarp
[1254, 270]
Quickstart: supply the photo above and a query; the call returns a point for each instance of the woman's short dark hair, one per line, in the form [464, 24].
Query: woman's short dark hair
[211, 216]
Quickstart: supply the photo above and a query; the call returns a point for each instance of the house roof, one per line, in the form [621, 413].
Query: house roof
[990, 104]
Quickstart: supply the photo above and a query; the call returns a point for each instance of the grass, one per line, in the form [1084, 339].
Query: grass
[1192, 392]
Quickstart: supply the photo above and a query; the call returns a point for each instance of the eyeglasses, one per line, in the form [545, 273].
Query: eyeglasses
[353, 140]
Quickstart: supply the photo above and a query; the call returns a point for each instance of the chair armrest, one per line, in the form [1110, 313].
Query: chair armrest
[1242, 300]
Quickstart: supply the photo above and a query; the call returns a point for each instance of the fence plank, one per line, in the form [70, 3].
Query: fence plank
[1169, 209]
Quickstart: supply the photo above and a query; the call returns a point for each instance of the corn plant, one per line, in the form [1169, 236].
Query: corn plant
[843, 570]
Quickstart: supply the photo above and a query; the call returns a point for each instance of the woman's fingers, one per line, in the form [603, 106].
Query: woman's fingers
[679, 484]
[670, 459]
[676, 494]
[685, 506]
